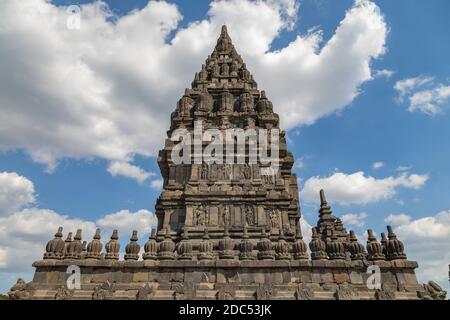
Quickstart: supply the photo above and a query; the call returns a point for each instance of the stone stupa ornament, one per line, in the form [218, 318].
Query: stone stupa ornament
[228, 230]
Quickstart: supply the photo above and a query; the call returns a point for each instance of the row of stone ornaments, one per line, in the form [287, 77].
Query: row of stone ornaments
[226, 103]
[390, 247]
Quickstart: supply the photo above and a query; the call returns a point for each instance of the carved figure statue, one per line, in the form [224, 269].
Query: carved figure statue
[226, 218]
[274, 218]
[201, 215]
[205, 171]
[249, 215]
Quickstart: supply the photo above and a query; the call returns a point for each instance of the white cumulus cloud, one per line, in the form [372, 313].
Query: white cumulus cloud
[3, 254]
[424, 95]
[427, 241]
[358, 188]
[404, 168]
[384, 73]
[355, 219]
[24, 232]
[311, 65]
[378, 165]
[98, 91]
[306, 230]
[406, 86]
[430, 101]
[125, 222]
[128, 170]
[157, 184]
[15, 192]
[397, 219]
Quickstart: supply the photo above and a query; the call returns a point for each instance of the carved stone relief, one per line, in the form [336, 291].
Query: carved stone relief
[304, 292]
[63, 293]
[264, 292]
[249, 215]
[146, 293]
[226, 216]
[104, 291]
[273, 216]
[226, 293]
[201, 215]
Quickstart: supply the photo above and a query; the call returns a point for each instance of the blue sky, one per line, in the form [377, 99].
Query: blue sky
[373, 127]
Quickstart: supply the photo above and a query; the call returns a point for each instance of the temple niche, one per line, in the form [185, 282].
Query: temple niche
[228, 230]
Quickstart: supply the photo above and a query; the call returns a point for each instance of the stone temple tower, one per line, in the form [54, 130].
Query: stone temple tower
[228, 229]
[215, 196]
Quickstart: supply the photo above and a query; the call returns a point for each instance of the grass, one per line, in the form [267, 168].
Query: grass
[3, 297]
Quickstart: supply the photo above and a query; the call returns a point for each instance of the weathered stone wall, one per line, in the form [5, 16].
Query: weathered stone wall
[103, 279]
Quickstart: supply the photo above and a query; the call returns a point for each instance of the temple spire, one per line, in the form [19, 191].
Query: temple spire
[325, 213]
[224, 30]
[223, 68]
[323, 199]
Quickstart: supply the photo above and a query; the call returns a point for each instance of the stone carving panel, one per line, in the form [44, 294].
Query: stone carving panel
[384, 295]
[17, 292]
[265, 292]
[184, 291]
[226, 216]
[201, 215]
[63, 293]
[226, 293]
[204, 171]
[268, 179]
[304, 292]
[433, 292]
[249, 215]
[104, 291]
[274, 218]
[346, 292]
[146, 293]
[216, 172]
